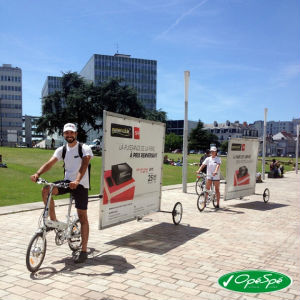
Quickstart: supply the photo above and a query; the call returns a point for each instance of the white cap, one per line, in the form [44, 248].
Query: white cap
[70, 127]
[213, 148]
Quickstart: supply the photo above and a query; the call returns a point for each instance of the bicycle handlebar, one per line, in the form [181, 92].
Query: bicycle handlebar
[201, 174]
[45, 182]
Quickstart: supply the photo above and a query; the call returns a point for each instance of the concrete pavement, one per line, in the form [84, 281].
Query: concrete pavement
[154, 259]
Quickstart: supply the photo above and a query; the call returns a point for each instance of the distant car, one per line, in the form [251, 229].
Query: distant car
[193, 151]
[95, 145]
[177, 151]
[222, 153]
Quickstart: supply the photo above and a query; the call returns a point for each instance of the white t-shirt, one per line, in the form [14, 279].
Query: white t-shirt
[73, 162]
[211, 164]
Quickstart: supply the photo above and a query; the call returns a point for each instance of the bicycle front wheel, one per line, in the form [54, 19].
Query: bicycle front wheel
[199, 187]
[36, 252]
[201, 201]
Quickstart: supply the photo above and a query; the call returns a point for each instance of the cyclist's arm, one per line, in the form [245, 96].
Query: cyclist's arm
[44, 168]
[216, 170]
[84, 165]
[201, 168]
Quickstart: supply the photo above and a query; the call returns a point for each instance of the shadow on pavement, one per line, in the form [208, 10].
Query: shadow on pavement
[159, 239]
[259, 205]
[222, 210]
[117, 264]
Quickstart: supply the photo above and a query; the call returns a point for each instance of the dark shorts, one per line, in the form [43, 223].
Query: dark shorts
[80, 194]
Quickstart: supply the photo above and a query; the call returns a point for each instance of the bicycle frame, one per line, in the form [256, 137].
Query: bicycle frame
[69, 231]
[59, 226]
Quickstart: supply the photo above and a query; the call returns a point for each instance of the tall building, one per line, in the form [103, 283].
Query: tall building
[10, 105]
[30, 136]
[274, 127]
[137, 73]
[51, 85]
[177, 126]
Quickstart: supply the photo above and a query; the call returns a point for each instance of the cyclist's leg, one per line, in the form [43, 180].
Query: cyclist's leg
[208, 185]
[217, 188]
[56, 191]
[81, 202]
[83, 218]
[45, 193]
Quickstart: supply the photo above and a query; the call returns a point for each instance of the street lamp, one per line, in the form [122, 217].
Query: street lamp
[1, 122]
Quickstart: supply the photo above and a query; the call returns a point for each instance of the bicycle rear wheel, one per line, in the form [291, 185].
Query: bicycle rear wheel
[201, 201]
[74, 241]
[36, 252]
[214, 201]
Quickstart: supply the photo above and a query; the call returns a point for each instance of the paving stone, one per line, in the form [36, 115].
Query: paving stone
[243, 234]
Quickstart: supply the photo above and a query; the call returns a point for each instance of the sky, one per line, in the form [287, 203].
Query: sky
[243, 55]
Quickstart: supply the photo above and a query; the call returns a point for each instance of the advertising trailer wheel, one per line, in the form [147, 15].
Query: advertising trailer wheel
[177, 213]
[266, 195]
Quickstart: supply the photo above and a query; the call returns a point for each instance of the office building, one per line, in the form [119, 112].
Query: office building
[177, 126]
[274, 127]
[137, 73]
[227, 130]
[30, 136]
[51, 85]
[10, 105]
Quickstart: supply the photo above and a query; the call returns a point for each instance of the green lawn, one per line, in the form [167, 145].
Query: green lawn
[16, 187]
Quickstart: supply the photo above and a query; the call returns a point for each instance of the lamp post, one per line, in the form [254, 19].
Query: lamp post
[264, 145]
[185, 131]
[297, 149]
[0, 122]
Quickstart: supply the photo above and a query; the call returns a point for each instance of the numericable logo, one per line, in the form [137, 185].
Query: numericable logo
[254, 281]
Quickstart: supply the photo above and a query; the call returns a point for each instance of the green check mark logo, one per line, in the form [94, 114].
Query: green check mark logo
[254, 281]
[225, 283]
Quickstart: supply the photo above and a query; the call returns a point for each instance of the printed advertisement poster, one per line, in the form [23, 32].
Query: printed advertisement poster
[241, 168]
[131, 168]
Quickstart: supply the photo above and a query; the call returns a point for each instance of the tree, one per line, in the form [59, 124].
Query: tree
[156, 115]
[224, 146]
[116, 97]
[201, 139]
[83, 103]
[172, 142]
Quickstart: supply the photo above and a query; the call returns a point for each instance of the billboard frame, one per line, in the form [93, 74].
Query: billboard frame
[177, 210]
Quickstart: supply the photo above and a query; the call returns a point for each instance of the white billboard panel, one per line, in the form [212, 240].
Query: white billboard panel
[241, 168]
[131, 168]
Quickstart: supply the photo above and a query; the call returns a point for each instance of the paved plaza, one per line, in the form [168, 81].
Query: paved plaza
[154, 259]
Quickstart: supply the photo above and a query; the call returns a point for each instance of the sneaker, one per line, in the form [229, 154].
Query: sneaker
[81, 258]
[217, 206]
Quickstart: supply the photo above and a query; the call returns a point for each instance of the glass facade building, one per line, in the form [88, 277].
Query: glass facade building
[10, 105]
[51, 85]
[139, 74]
[177, 126]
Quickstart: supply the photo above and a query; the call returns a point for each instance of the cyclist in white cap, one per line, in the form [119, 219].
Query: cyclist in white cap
[212, 164]
[76, 160]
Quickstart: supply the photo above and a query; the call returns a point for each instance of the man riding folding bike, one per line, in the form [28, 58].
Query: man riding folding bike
[212, 165]
[75, 165]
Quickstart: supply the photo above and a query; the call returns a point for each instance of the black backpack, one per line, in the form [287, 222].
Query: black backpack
[80, 154]
[202, 159]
